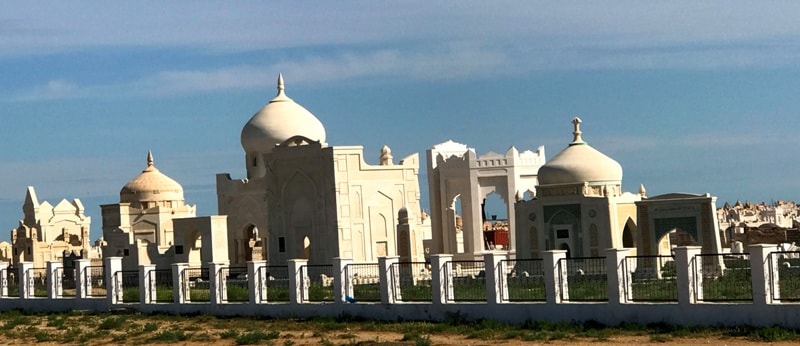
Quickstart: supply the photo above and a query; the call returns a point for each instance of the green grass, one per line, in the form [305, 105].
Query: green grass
[238, 293]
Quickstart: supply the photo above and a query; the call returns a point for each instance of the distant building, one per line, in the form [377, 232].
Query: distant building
[579, 205]
[140, 227]
[50, 233]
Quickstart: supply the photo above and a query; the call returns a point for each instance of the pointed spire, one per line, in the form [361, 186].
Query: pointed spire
[577, 133]
[149, 158]
[642, 190]
[280, 83]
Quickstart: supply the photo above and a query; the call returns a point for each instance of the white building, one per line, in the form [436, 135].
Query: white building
[305, 199]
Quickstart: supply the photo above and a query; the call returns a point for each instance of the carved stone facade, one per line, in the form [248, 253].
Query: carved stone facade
[49, 233]
[305, 199]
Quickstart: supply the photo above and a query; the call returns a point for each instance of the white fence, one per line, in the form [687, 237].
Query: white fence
[687, 289]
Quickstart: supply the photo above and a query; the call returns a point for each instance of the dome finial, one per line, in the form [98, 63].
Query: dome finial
[149, 158]
[280, 83]
[577, 133]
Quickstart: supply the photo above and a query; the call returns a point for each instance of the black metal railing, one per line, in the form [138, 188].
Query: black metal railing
[365, 281]
[68, 283]
[130, 285]
[276, 279]
[413, 280]
[723, 277]
[468, 279]
[197, 281]
[236, 286]
[650, 279]
[586, 279]
[162, 279]
[524, 280]
[96, 278]
[12, 280]
[319, 280]
[38, 280]
[786, 286]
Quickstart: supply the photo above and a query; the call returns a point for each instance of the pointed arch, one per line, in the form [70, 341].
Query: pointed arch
[629, 234]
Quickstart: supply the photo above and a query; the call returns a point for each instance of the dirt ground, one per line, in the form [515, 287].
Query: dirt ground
[134, 329]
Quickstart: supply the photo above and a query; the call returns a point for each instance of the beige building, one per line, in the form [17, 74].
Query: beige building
[579, 205]
[48, 232]
[140, 227]
[305, 199]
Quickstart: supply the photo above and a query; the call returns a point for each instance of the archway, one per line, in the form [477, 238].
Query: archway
[565, 246]
[307, 248]
[458, 225]
[674, 238]
[495, 222]
[629, 234]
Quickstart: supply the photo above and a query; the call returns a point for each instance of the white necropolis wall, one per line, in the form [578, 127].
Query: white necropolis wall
[762, 310]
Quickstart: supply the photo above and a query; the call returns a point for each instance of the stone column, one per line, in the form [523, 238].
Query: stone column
[687, 276]
[257, 282]
[113, 277]
[618, 286]
[441, 285]
[3, 280]
[342, 281]
[83, 278]
[496, 284]
[147, 283]
[298, 284]
[760, 268]
[179, 284]
[217, 282]
[554, 291]
[389, 279]
[54, 273]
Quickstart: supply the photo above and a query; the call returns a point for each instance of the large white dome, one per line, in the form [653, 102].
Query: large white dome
[580, 163]
[278, 121]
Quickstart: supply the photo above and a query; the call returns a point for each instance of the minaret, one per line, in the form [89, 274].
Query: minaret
[386, 156]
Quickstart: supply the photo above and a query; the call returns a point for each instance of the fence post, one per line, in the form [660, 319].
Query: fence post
[618, 286]
[690, 285]
[178, 282]
[256, 283]
[147, 283]
[496, 285]
[25, 280]
[761, 268]
[114, 292]
[83, 278]
[389, 282]
[298, 285]
[54, 279]
[342, 281]
[217, 283]
[4, 280]
[554, 291]
[441, 285]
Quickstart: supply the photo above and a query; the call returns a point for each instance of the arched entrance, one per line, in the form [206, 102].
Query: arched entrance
[565, 246]
[672, 239]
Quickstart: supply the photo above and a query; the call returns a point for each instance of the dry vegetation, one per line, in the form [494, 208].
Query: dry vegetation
[80, 328]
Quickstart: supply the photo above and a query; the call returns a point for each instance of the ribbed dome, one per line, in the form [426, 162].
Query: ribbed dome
[151, 186]
[580, 163]
[278, 121]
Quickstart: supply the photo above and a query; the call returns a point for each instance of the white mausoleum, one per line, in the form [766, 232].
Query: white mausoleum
[305, 199]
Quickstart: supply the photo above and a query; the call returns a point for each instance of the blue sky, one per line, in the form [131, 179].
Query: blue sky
[689, 96]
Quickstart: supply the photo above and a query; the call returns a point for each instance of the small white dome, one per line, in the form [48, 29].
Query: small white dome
[278, 121]
[580, 163]
[151, 186]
